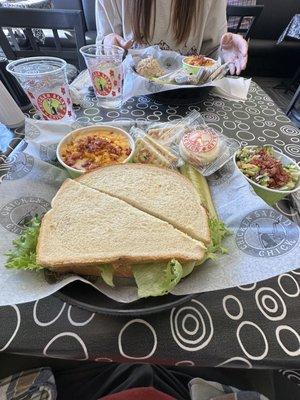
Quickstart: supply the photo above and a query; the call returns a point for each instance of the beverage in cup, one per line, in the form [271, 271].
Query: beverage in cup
[106, 71]
[44, 79]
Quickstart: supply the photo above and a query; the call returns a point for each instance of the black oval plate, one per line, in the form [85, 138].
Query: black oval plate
[90, 299]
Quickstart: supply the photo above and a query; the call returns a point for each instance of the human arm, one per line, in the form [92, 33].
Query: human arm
[109, 23]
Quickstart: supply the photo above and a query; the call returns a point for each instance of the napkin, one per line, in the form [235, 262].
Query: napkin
[263, 243]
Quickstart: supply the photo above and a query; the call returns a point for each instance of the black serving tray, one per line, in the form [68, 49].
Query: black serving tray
[88, 298]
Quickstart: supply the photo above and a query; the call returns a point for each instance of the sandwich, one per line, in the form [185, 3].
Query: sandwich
[129, 220]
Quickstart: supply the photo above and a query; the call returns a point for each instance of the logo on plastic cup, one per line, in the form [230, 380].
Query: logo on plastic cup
[52, 105]
[102, 83]
[266, 233]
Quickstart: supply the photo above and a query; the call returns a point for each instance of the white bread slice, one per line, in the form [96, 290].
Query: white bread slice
[160, 192]
[86, 228]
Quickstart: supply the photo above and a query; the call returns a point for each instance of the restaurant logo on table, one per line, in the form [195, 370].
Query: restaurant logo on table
[266, 233]
[15, 215]
[18, 166]
[52, 105]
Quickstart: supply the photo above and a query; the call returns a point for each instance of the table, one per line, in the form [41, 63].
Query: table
[256, 325]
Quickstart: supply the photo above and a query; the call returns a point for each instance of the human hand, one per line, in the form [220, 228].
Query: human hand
[113, 39]
[234, 51]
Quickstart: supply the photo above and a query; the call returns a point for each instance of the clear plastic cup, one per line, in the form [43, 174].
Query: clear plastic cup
[44, 79]
[106, 70]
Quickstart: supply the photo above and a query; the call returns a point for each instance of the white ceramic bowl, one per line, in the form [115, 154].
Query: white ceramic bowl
[85, 132]
[271, 196]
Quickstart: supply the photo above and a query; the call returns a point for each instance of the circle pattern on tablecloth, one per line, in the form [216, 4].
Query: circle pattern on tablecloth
[189, 333]
[198, 337]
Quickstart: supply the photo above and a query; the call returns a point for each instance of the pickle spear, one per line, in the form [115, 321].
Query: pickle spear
[200, 184]
[218, 230]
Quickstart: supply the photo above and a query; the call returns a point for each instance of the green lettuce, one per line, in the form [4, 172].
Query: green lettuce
[157, 279]
[218, 232]
[107, 274]
[23, 255]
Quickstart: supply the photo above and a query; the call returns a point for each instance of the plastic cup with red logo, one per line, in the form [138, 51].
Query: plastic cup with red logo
[106, 71]
[44, 80]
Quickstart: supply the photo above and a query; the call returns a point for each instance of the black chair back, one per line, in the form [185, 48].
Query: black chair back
[54, 20]
[242, 14]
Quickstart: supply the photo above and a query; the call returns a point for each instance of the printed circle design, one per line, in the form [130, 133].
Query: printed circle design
[259, 118]
[243, 127]
[262, 296]
[293, 149]
[218, 128]
[231, 125]
[266, 233]
[261, 139]
[238, 333]
[113, 114]
[202, 332]
[270, 124]
[270, 133]
[153, 107]
[245, 135]
[48, 323]
[248, 287]
[221, 113]
[210, 117]
[142, 106]
[238, 106]
[279, 142]
[83, 120]
[80, 311]
[226, 108]
[241, 115]
[137, 113]
[269, 112]
[121, 334]
[282, 118]
[97, 119]
[295, 139]
[124, 111]
[68, 335]
[15, 215]
[291, 375]
[279, 329]
[259, 124]
[171, 118]
[237, 301]
[236, 362]
[290, 130]
[196, 108]
[18, 323]
[188, 363]
[91, 111]
[252, 111]
[290, 278]
[19, 165]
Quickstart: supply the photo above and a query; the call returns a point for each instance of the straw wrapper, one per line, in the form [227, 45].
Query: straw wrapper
[263, 243]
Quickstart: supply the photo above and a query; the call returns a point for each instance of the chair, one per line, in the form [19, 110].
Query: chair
[241, 13]
[53, 20]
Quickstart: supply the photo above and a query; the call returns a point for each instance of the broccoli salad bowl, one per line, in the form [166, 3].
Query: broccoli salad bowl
[272, 174]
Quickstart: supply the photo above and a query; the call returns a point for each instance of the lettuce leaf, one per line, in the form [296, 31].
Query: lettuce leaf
[23, 255]
[157, 279]
[107, 274]
[218, 232]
